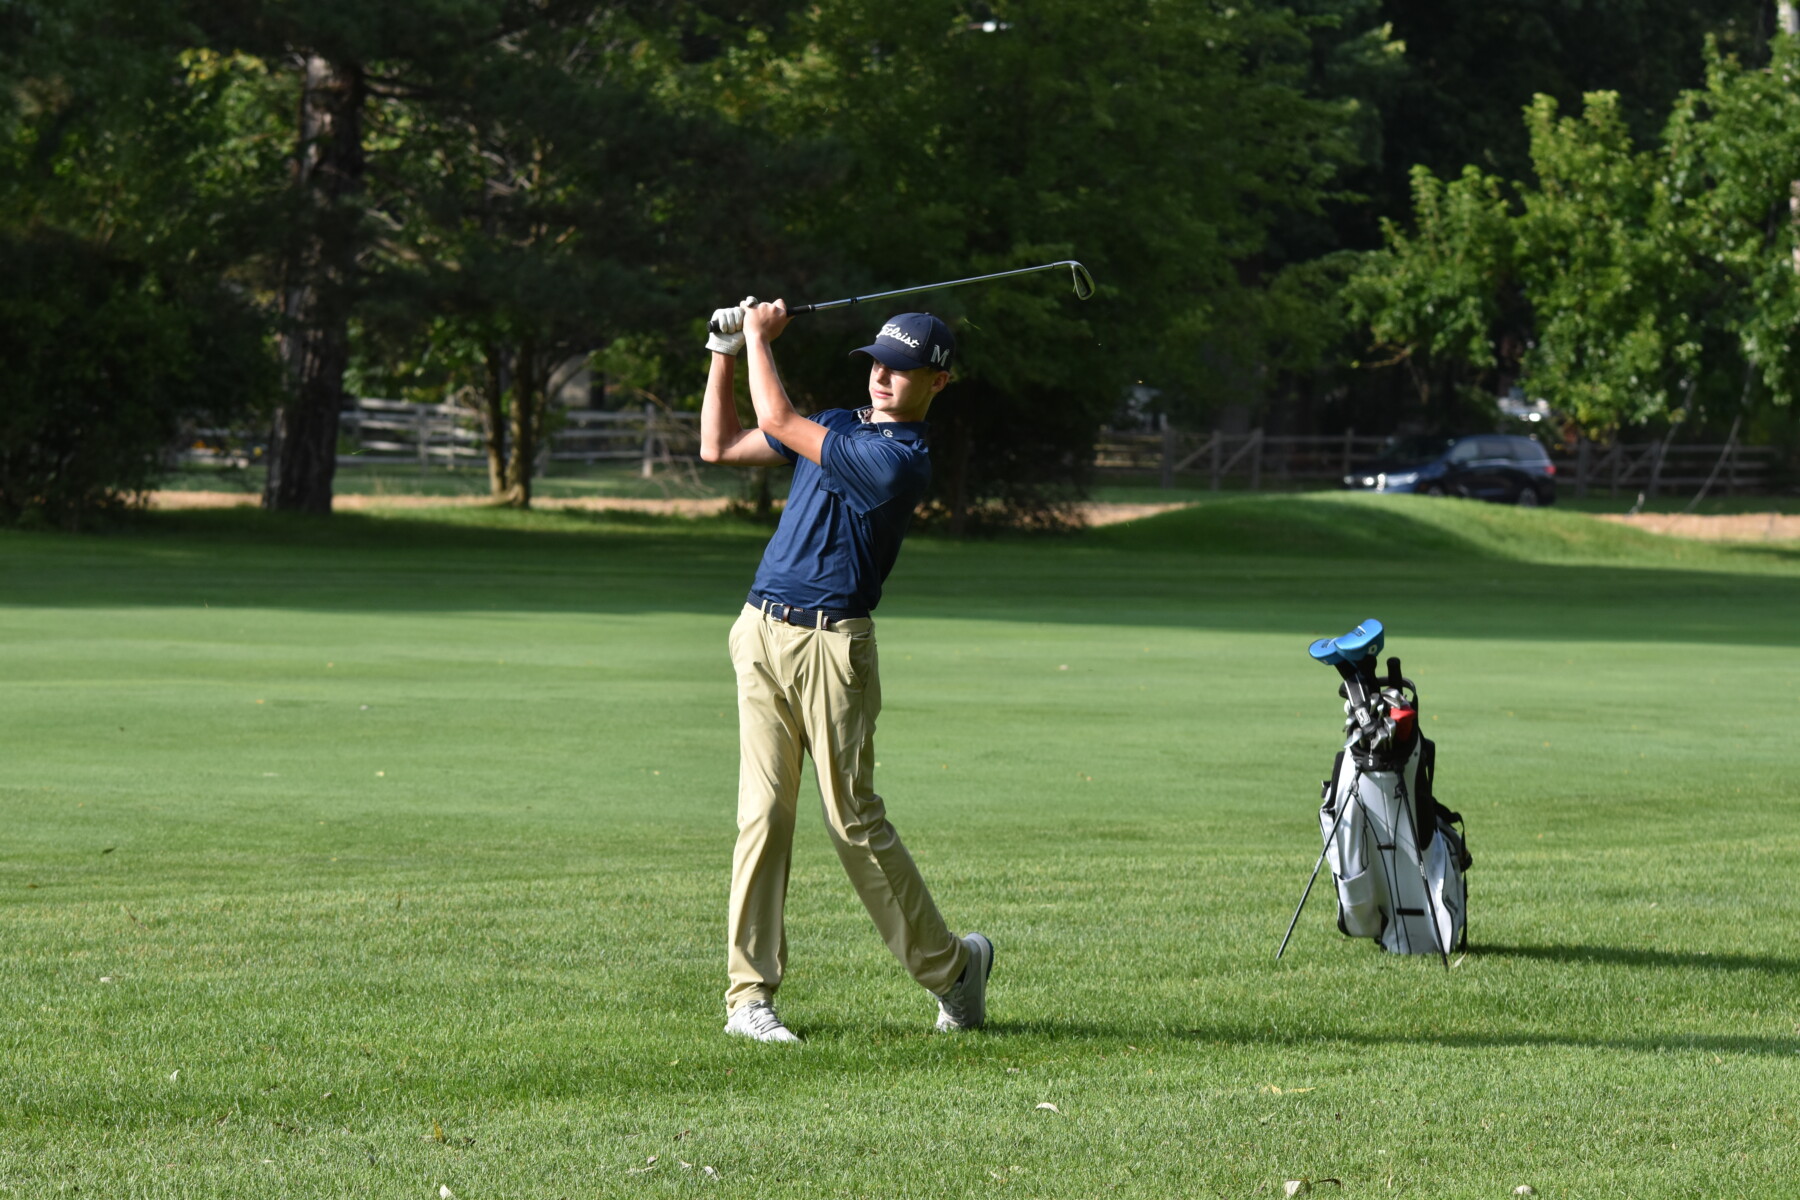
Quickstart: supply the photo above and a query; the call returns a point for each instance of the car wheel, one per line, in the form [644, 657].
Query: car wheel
[1432, 489]
[1528, 497]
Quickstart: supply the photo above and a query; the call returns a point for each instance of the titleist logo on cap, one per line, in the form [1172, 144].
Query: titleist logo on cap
[898, 334]
[912, 341]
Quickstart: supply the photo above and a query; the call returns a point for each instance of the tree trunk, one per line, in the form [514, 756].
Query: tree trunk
[319, 279]
[1789, 15]
[527, 423]
[493, 421]
[765, 496]
[962, 445]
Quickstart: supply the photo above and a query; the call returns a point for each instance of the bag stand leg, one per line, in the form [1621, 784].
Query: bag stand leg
[1343, 806]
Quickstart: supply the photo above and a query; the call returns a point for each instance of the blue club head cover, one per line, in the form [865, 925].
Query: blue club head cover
[1326, 651]
[1365, 641]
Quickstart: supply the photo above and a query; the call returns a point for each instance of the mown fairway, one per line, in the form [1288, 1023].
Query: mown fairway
[368, 859]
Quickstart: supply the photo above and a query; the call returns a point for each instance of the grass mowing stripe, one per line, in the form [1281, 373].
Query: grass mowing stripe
[496, 964]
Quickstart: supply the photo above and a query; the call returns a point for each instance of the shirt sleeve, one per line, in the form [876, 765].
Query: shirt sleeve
[780, 448]
[868, 471]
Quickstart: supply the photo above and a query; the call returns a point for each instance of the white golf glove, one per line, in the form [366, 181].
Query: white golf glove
[725, 332]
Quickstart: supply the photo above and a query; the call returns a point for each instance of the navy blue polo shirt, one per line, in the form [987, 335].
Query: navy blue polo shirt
[846, 515]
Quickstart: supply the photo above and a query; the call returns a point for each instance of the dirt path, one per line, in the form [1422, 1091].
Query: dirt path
[354, 503]
[1738, 527]
[1095, 514]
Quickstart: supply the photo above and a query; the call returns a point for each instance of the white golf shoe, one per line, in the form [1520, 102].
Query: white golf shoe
[758, 1022]
[964, 1006]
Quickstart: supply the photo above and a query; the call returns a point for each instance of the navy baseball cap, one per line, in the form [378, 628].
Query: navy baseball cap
[910, 341]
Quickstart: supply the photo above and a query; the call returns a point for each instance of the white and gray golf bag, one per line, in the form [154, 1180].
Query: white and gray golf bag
[1396, 855]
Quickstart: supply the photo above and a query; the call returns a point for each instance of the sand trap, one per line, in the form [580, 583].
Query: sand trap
[1737, 527]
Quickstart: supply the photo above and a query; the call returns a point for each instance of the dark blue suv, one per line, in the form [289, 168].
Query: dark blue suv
[1501, 467]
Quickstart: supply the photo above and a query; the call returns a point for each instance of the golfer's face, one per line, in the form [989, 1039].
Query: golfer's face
[903, 393]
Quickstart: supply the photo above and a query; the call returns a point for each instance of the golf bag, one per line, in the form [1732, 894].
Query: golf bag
[1396, 854]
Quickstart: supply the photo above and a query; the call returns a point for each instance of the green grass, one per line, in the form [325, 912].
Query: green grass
[366, 857]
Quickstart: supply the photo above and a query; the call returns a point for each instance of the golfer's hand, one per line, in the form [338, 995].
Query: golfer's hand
[764, 322]
[725, 332]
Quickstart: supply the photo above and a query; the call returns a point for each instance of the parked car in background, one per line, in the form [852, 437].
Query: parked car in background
[1503, 468]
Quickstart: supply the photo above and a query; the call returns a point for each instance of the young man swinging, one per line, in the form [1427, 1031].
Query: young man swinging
[804, 652]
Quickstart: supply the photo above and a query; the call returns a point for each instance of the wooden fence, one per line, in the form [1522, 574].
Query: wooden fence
[1257, 460]
[1729, 468]
[447, 437]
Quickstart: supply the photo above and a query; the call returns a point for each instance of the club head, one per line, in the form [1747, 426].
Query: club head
[1084, 283]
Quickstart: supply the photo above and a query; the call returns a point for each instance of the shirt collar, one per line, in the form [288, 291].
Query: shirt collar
[903, 431]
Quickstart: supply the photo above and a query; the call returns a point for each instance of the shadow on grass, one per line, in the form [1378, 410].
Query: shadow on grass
[1621, 956]
[1244, 1035]
[1123, 1034]
[1299, 566]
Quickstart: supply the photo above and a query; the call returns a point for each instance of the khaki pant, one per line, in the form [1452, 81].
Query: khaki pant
[814, 691]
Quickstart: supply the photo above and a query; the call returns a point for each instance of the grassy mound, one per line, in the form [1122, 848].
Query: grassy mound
[1412, 528]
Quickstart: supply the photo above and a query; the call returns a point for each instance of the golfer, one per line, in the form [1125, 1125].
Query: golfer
[804, 650]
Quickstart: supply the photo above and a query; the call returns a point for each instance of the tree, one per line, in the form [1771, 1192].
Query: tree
[398, 68]
[122, 323]
[1159, 144]
[539, 214]
[106, 362]
[1617, 279]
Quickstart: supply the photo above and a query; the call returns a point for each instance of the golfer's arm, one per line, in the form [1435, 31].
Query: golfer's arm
[722, 438]
[775, 414]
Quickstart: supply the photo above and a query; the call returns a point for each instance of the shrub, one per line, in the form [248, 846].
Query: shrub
[102, 362]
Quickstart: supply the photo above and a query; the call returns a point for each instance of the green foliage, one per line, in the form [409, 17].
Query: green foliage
[1618, 279]
[1732, 166]
[1439, 289]
[1160, 144]
[106, 363]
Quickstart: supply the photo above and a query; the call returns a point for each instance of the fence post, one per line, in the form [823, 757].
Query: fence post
[1615, 453]
[1168, 453]
[649, 467]
[1256, 461]
[1349, 444]
[422, 433]
[1583, 449]
[1218, 441]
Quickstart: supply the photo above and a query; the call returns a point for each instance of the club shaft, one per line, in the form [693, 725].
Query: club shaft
[1084, 288]
[929, 287]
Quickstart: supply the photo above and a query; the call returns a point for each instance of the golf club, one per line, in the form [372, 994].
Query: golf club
[1084, 288]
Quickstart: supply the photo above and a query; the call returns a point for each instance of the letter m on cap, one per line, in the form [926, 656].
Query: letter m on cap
[940, 355]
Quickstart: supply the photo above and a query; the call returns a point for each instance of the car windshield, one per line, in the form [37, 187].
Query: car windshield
[1413, 450]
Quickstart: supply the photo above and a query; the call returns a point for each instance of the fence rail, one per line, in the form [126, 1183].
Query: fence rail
[1253, 457]
[448, 436]
[1729, 467]
[1257, 459]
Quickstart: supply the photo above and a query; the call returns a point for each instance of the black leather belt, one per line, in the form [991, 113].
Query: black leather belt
[810, 618]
